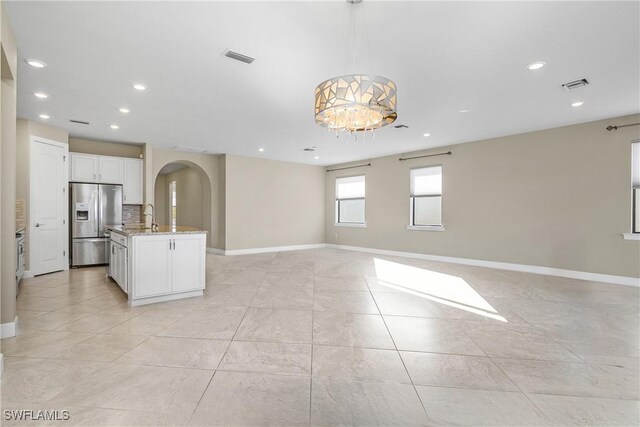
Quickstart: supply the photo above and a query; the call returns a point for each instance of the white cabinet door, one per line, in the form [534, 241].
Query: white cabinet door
[113, 262]
[84, 168]
[132, 188]
[111, 170]
[121, 254]
[151, 258]
[188, 258]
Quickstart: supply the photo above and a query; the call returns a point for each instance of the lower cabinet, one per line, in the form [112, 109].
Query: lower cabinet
[167, 264]
[118, 265]
[151, 266]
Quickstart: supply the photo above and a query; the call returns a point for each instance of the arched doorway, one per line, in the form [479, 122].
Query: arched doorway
[182, 195]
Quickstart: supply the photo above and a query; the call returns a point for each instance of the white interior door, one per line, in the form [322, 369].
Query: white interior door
[48, 206]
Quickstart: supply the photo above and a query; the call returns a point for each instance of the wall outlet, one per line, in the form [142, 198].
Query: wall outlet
[336, 235]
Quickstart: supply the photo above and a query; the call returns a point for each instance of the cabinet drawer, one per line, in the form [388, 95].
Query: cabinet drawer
[119, 238]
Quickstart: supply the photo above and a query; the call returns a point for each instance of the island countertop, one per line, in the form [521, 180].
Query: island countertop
[162, 229]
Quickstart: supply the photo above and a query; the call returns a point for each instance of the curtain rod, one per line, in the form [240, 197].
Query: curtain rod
[448, 153]
[621, 126]
[348, 167]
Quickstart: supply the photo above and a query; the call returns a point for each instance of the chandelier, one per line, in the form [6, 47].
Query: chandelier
[355, 102]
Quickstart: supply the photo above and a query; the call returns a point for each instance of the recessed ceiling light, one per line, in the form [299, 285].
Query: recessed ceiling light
[114, 127]
[465, 110]
[139, 86]
[35, 63]
[261, 149]
[536, 65]
[316, 157]
[124, 110]
[577, 104]
[44, 116]
[426, 135]
[41, 95]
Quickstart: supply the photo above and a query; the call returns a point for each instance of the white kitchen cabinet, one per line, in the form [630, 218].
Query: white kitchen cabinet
[188, 262]
[84, 168]
[132, 186]
[118, 266]
[166, 266]
[110, 170]
[118, 261]
[151, 266]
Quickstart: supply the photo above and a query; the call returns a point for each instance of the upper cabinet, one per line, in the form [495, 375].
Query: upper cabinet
[132, 189]
[109, 170]
[84, 168]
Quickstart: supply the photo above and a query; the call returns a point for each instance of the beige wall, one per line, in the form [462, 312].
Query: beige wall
[160, 200]
[272, 203]
[208, 166]
[25, 129]
[190, 197]
[556, 198]
[8, 70]
[104, 148]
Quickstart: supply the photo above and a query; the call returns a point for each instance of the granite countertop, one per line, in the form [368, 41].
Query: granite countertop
[162, 229]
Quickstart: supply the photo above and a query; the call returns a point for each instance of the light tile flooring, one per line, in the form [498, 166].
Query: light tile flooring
[327, 337]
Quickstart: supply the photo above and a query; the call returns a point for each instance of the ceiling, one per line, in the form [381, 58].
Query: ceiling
[444, 57]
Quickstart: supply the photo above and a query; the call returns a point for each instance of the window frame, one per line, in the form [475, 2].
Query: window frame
[337, 221]
[635, 186]
[173, 194]
[412, 205]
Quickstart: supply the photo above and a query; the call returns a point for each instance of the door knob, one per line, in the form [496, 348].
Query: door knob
[37, 224]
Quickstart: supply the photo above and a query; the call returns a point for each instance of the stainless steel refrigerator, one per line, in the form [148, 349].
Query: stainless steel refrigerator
[92, 207]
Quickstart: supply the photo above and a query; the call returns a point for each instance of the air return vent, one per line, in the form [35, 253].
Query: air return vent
[575, 84]
[238, 56]
[189, 149]
[80, 122]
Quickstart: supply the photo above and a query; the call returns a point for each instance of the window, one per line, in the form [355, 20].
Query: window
[350, 200]
[635, 170]
[173, 206]
[426, 197]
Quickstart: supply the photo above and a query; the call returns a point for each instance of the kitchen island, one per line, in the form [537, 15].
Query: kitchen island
[161, 265]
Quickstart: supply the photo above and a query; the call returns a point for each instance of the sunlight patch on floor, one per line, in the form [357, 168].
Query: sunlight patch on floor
[439, 287]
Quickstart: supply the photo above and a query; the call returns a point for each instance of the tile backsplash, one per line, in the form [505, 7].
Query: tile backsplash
[131, 214]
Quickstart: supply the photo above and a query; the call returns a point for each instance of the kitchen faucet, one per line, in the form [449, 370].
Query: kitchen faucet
[154, 226]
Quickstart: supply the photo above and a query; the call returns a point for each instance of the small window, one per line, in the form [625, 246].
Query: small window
[350, 200]
[426, 197]
[635, 184]
[173, 207]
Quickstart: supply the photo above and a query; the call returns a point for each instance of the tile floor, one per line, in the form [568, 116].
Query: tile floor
[327, 337]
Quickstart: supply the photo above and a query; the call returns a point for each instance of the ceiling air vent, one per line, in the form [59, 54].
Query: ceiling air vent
[80, 122]
[238, 56]
[189, 149]
[401, 127]
[575, 84]
[310, 148]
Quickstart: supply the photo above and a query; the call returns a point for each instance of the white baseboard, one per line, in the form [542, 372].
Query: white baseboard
[274, 249]
[549, 271]
[8, 330]
[27, 274]
[163, 298]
